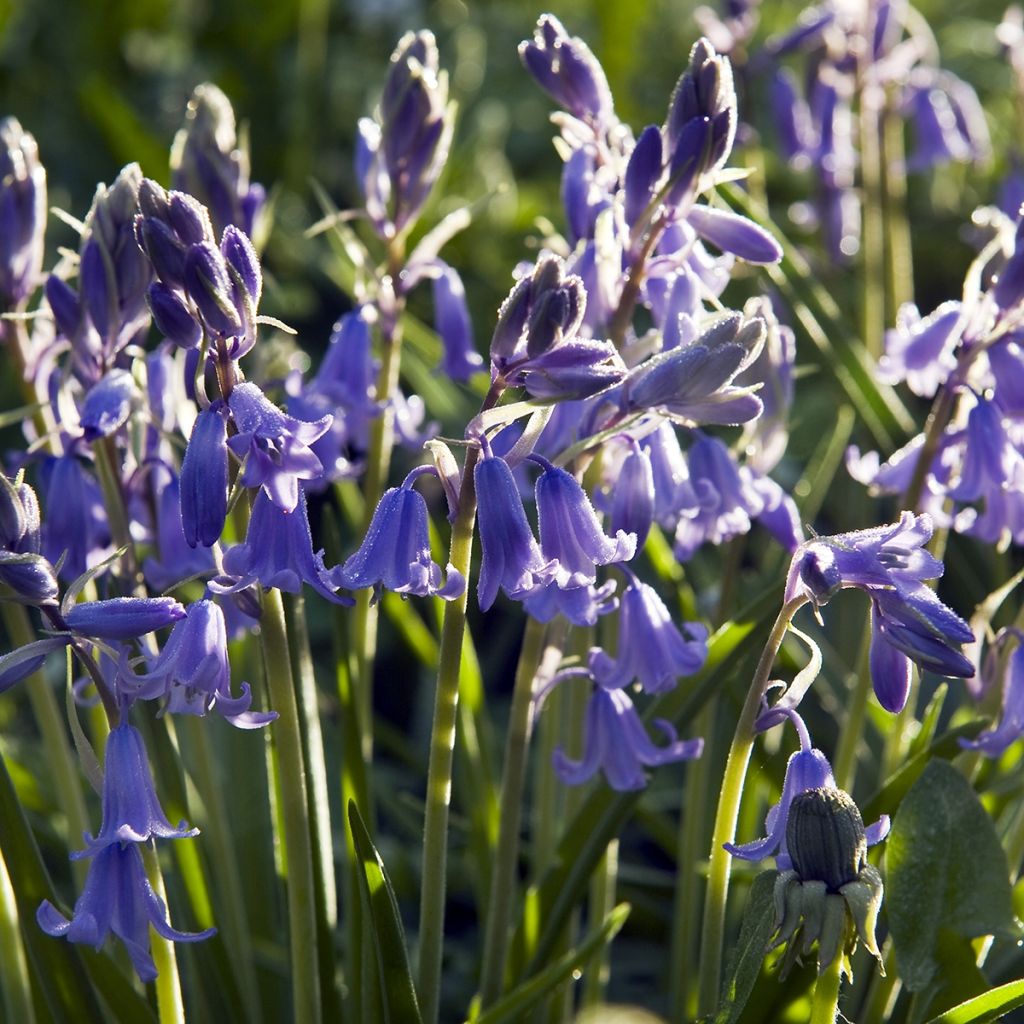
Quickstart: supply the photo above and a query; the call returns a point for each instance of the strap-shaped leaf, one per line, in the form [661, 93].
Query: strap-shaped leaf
[397, 991]
[990, 1006]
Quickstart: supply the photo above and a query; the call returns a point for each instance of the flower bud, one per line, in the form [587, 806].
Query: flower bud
[825, 837]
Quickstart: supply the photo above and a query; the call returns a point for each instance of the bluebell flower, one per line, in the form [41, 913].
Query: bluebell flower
[459, 360]
[278, 552]
[510, 557]
[32, 578]
[117, 899]
[890, 564]
[192, 672]
[131, 808]
[570, 534]
[108, 404]
[629, 500]
[582, 606]
[174, 559]
[122, 618]
[23, 211]
[651, 650]
[207, 161]
[920, 350]
[23, 661]
[275, 446]
[616, 743]
[1004, 664]
[395, 554]
[204, 478]
[75, 525]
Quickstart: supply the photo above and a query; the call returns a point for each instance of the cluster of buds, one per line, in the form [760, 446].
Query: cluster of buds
[22, 214]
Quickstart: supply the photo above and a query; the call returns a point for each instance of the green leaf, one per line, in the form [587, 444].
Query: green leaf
[946, 869]
[959, 978]
[990, 1006]
[515, 1005]
[398, 993]
[749, 952]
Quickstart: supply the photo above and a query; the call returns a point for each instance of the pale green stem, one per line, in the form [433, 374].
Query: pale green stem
[898, 250]
[169, 1002]
[692, 839]
[825, 1004]
[109, 475]
[506, 853]
[442, 747]
[713, 932]
[600, 903]
[17, 989]
[298, 842]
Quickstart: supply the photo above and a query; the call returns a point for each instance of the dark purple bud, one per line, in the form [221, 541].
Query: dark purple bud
[643, 173]
[30, 539]
[63, 301]
[23, 661]
[108, 404]
[209, 287]
[189, 219]
[689, 160]
[705, 90]
[96, 290]
[511, 323]
[23, 212]
[204, 479]
[172, 317]
[242, 259]
[153, 199]
[164, 249]
[733, 233]
[13, 522]
[122, 618]
[31, 577]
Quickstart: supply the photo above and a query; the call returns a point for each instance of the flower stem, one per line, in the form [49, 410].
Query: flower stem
[825, 1004]
[506, 854]
[442, 747]
[170, 1005]
[287, 736]
[852, 732]
[713, 931]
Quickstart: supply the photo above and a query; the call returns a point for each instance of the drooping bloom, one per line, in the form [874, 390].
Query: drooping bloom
[617, 744]
[890, 564]
[192, 672]
[1005, 663]
[395, 554]
[582, 606]
[570, 534]
[117, 899]
[204, 478]
[131, 808]
[511, 558]
[275, 446]
[651, 648]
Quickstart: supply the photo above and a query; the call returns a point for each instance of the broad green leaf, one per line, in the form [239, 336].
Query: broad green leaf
[521, 999]
[959, 978]
[946, 869]
[749, 952]
[399, 995]
[990, 1006]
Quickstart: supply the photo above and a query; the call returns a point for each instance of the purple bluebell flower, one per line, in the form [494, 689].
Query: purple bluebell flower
[891, 565]
[570, 534]
[275, 446]
[108, 404]
[451, 320]
[22, 214]
[808, 769]
[395, 554]
[278, 552]
[510, 557]
[117, 899]
[565, 68]
[582, 606]
[617, 744]
[204, 478]
[75, 525]
[1003, 664]
[131, 808]
[629, 500]
[172, 316]
[31, 578]
[175, 559]
[122, 618]
[192, 672]
[695, 382]
[779, 514]
[920, 350]
[23, 661]
[207, 162]
[652, 650]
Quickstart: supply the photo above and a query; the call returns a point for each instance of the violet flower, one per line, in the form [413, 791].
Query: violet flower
[651, 650]
[122, 618]
[117, 899]
[75, 526]
[617, 744]
[23, 211]
[131, 808]
[582, 606]
[570, 534]
[1004, 663]
[275, 446]
[204, 478]
[395, 554]
[920, 350]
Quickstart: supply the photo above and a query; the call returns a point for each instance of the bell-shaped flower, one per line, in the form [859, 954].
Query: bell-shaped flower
[278, 552]
[117, 899]
[122, 618]
[204, 478]
[108, 404]
[630, 500]
[617, 743]
[192, 672]
[919, 349]
[275, 446]
[1005, 663]
[174, 559]
[651, 650]
[582, 606]
[459, 359]
[131, 808]
[395, 554]
[570, 534]
[75, 525]
[510, 557]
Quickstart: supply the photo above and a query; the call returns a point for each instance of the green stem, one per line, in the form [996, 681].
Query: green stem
[825, 1004]
[873, 232]
[506, 854]
[298, 841]
[852, 733]
[442, 746]
[170, 1005]
[600, 903]
[17, 990]
[898, 250]
[109, 475]
[713, 931]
